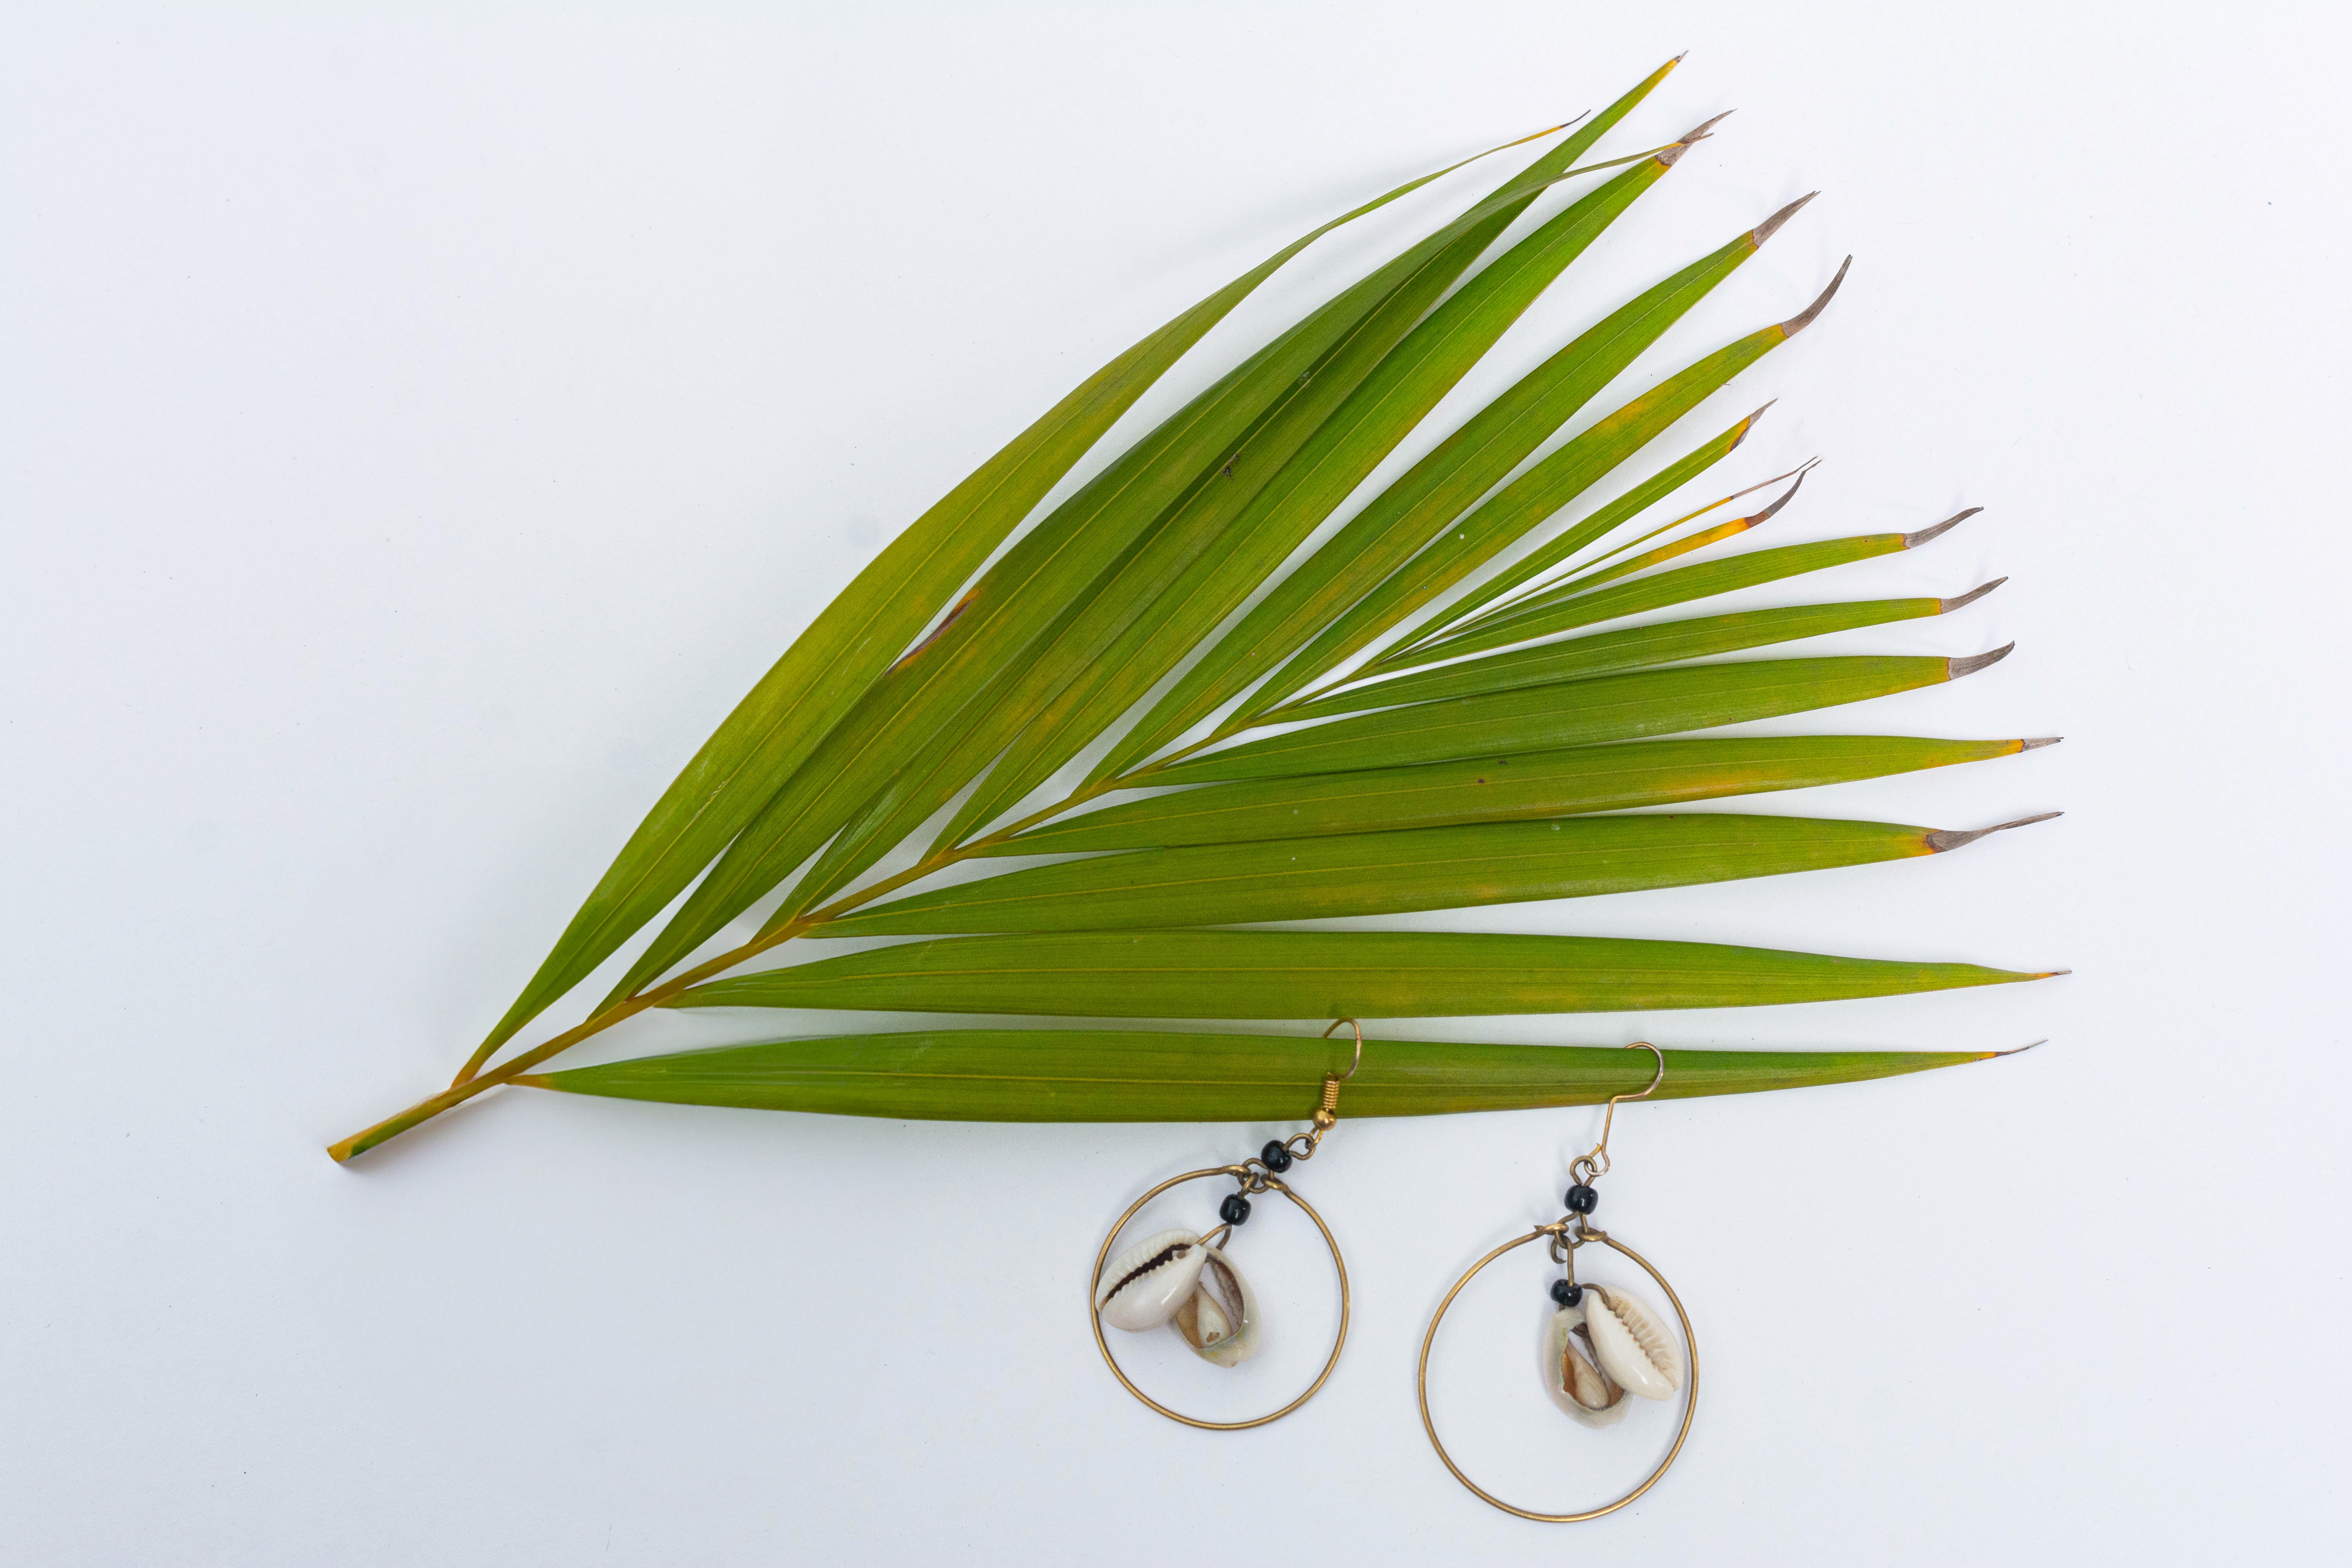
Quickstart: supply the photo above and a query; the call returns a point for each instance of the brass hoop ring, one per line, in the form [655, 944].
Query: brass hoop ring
[1103, 1344]
[1690, 1407]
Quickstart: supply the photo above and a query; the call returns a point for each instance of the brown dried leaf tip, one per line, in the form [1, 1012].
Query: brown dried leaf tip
[1804, 318]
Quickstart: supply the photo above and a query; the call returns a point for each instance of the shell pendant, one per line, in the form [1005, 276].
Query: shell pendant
[1220, 1319]
[1173, 1277]
[1604, 1349]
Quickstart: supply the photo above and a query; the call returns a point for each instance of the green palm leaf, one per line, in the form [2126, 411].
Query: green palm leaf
[1396, 719]
[1586, 603]
[1132, 1074]
[1498, 789]
[1424, 504]
[967, 668]
[1605, 520]
[1577, 714]
[1344, 427]
[1322, 974]
[1464, 544]
[1595, 575]
[1395, 871]
[1118, 610]
[832, 665]
[1637, 648]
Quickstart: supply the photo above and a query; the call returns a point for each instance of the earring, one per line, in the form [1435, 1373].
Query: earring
[1186, 1282]
[1604, 1347]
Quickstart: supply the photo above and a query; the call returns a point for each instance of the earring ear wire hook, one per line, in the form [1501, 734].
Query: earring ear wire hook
[1326, 1115]
[1597, 1162]
[1342, 1078]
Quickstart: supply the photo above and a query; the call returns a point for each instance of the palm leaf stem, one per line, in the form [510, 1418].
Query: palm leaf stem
[481, 1079]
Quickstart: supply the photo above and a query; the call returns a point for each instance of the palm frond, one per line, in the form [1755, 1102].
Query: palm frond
[1394, 719]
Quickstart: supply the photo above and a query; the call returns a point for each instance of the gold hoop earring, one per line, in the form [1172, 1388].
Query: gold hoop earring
[1185, 1282]
[1605, 1347]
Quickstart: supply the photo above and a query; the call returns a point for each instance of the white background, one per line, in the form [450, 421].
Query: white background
[422, 422]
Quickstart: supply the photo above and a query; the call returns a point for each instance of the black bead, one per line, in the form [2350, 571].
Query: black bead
[1234, 1209]
[1275, 1157]
[1566, 1294]
[1582, 1199]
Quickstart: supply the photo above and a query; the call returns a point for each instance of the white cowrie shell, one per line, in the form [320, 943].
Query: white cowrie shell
[1575, 1383]
[1143, 1286]
[1629, 1344]
[1219, 1319]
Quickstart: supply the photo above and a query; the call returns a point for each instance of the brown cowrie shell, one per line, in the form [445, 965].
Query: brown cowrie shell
[1572, 1374]
[1220, 1319]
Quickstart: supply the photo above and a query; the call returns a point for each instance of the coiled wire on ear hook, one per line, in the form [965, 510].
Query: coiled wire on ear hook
[1257, 1172]
[1329, 1112]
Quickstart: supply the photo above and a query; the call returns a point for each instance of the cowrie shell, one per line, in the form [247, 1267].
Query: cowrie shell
[1219, 1320]
[1629, 1344]
[1571, 1375]
[1144, 1286]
